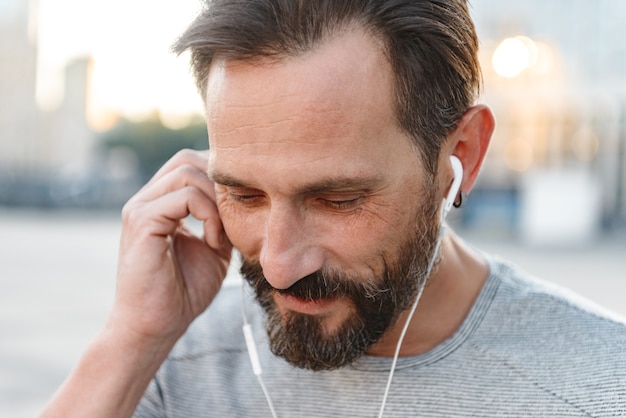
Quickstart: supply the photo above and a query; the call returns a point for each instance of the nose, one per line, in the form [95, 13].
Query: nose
[289, 251]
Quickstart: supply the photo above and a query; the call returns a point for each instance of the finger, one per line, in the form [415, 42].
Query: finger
[214, 237]
[199, 159]
[167, 211]
[180, 177]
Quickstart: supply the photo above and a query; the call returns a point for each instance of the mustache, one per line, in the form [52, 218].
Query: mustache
[320, 285]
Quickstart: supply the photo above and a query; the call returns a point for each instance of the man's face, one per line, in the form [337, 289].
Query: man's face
[323, 195]
[375, 301]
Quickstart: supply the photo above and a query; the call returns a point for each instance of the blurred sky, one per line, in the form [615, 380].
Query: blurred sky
[129, 40]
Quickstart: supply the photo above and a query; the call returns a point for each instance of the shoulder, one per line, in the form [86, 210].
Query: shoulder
[555, 340]
[530, 303]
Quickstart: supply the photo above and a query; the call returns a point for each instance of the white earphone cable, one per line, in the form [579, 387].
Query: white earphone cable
[407, 322]
[252, 352]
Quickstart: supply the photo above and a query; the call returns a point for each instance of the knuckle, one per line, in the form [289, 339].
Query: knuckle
[185, 154]
[127, 209]
[130, 212]
[186, 170]
[190, 192]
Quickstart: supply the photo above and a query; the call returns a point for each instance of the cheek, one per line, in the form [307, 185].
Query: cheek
[359, 243]
[242, 229]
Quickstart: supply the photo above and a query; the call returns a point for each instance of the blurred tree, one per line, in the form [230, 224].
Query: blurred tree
[153, 143]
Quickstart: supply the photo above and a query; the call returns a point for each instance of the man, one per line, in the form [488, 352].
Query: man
[331, 129]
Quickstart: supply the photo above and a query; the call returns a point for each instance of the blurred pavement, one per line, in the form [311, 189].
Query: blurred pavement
[57, 280]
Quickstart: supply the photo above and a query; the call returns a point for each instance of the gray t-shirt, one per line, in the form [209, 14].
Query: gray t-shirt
[527, 348]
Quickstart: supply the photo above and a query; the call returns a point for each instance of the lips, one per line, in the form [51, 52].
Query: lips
[304, 306]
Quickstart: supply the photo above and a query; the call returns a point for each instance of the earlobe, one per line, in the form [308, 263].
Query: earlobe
[471, 141]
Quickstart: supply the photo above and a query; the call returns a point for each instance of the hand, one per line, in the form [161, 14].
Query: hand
[166, 275]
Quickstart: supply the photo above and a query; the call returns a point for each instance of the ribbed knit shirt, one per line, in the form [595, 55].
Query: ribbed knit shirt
[526, 349]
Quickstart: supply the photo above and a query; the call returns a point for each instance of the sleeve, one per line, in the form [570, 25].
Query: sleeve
[151, 404]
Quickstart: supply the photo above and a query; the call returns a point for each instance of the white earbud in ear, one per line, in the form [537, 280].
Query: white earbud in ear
[457, 167]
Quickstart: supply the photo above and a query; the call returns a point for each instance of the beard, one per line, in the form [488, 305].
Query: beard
[375, 300]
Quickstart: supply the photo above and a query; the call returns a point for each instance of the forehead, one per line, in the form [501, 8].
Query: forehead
[334, 102]
[347, 69]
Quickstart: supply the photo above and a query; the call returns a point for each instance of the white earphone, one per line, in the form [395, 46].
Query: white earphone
[457, 167]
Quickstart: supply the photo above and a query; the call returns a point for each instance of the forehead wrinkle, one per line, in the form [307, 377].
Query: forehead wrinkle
[324, 88]
[317, 122]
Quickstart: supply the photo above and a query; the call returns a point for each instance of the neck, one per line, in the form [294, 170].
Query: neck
[447, 299]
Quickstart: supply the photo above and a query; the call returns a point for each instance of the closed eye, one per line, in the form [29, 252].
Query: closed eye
[343, 204]
[244, 195]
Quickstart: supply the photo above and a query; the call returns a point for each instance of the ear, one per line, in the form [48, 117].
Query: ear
[469, 142]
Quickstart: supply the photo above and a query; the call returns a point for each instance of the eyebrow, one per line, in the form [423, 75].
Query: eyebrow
[334, 184]
[225, 179]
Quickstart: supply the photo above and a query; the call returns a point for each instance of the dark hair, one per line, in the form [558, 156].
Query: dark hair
[431, 46]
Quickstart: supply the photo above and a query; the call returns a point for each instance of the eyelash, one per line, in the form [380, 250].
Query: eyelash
[342, 204]
[346, 204]
[245, 198]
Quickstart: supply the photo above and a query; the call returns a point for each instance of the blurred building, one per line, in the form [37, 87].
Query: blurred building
[36, 146]
[555, 75]
[18, 112]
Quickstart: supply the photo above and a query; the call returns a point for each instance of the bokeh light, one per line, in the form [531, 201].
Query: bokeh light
[514, 55]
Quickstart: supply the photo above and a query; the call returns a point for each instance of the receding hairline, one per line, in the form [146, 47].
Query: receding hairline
[430, 44]
[369, 60]
[275, 54]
